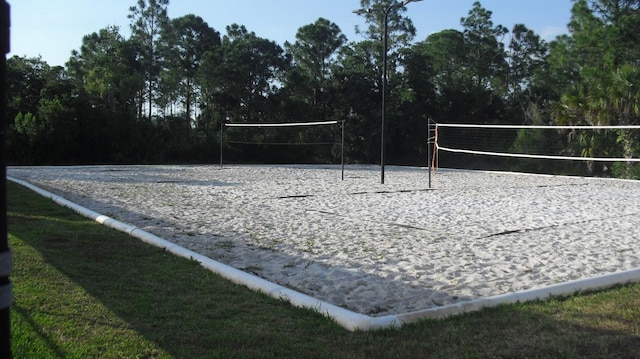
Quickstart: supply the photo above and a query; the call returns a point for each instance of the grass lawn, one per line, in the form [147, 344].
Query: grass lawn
[85, 291]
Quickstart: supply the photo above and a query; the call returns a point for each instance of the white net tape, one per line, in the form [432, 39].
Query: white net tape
[478, 139]
[285, 124]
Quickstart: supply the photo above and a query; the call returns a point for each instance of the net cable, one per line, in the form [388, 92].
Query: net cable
[451, 147]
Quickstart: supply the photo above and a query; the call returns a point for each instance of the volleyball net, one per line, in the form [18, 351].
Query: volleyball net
[283, 134]
[291, 141]
[600, 150]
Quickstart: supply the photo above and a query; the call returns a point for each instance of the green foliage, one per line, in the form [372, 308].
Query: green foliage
[626, 170]
[602, 77]
[148, 21]
[162, 94]
[250, 65]
[484, 48]
[310, 80]
[189, 40]
[400, 28]
[315, 46]
[27, 124]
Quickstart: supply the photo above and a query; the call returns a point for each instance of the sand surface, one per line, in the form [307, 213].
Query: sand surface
[374, 249]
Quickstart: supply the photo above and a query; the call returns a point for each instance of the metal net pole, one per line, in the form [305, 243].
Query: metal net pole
[429, 141]
[342, 149]
[6, 296]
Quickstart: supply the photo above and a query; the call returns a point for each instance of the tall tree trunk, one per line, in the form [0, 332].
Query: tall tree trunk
[150, 97]
[188, 109]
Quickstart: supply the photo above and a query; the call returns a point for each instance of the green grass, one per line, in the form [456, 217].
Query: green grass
[84, 291]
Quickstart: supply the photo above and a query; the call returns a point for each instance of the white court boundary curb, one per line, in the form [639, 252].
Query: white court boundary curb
[347, 319]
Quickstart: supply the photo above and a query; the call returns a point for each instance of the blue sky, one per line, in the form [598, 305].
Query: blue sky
[53, 29]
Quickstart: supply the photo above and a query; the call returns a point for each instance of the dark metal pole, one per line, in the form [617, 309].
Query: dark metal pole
[384, 90]
[6, 296]
[429, 138]
[342, 149]
[385, 20]
[221, 139]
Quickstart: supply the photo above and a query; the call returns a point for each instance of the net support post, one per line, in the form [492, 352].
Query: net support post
[430, 142]
[429, 151]
[221, 142]
[342, 149]
[6, 291]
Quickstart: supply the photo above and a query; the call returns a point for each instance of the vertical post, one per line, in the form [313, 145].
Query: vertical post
[385, 35]
[436, 155]
[221, 139]
[384, 90]
[429, 150]
[342, 149]
[6, 296]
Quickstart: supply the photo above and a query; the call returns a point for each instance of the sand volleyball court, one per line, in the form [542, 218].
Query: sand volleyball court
[373, 249]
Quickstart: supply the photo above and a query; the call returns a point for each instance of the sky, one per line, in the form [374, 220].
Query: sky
[53, 29]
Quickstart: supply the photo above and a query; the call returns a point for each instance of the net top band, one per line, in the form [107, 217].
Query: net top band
[285, 124]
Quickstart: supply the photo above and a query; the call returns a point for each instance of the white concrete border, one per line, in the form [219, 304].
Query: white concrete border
[347, 319]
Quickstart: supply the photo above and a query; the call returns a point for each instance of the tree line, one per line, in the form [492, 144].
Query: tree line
[161, 95]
